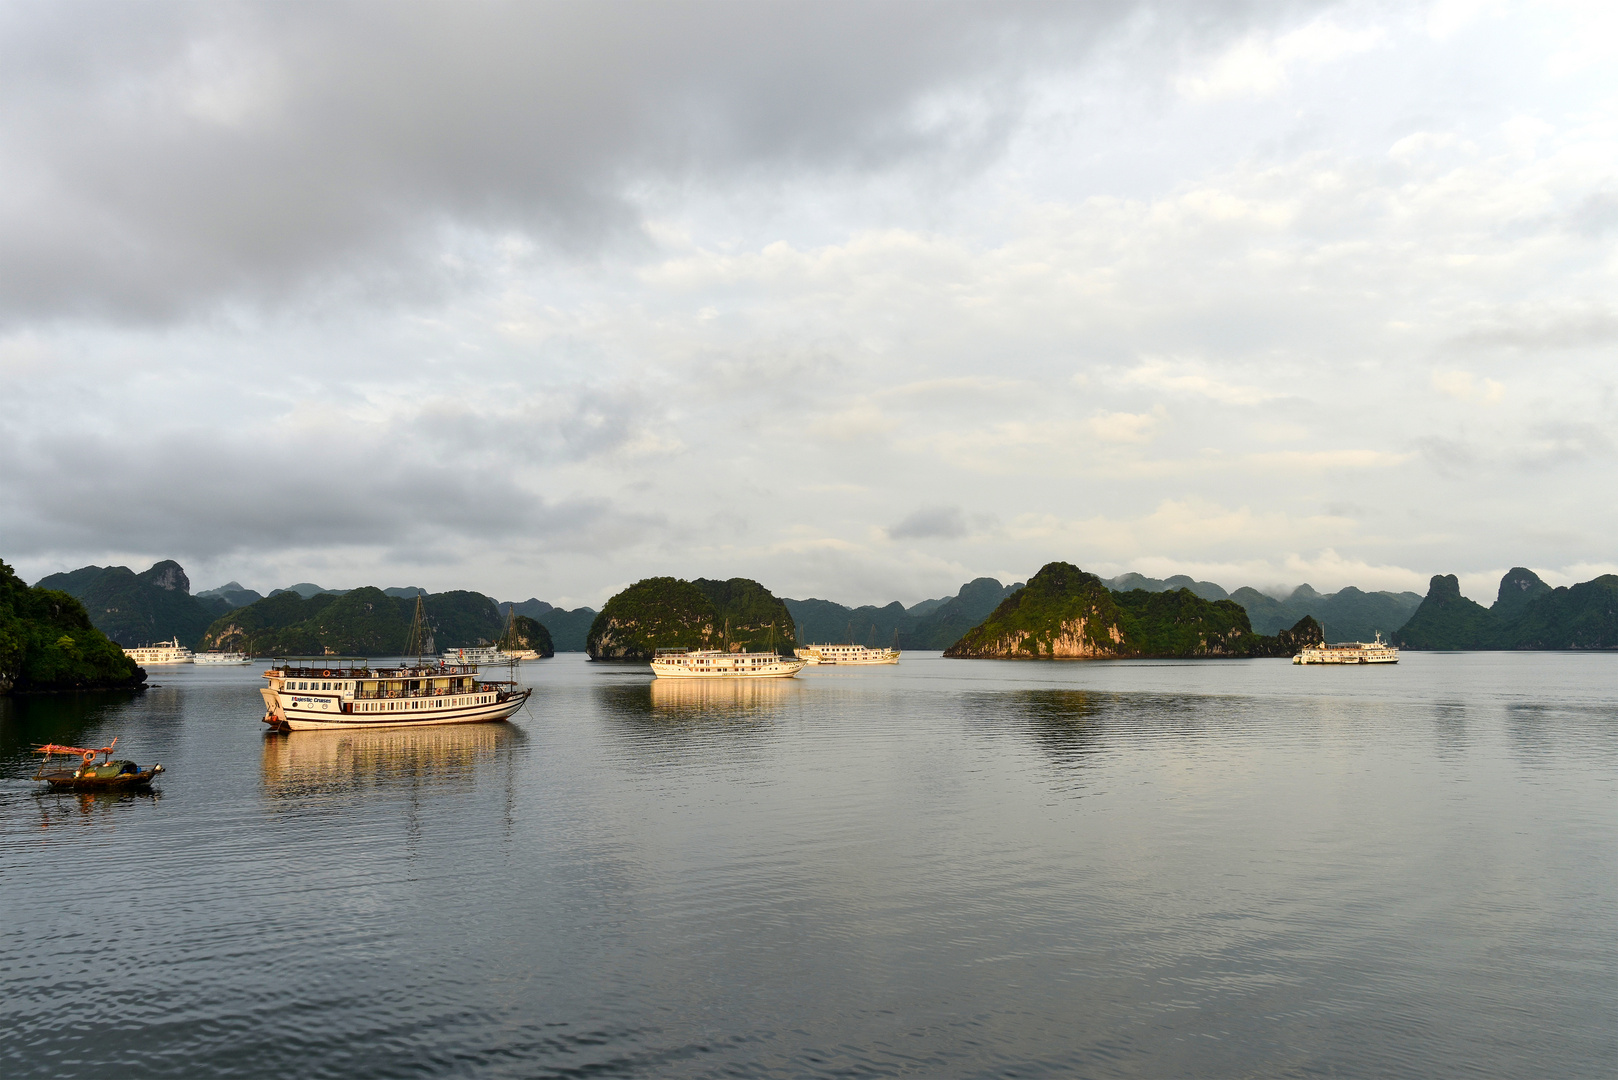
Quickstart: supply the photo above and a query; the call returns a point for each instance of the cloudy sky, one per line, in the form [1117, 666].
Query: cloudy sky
[860, 300]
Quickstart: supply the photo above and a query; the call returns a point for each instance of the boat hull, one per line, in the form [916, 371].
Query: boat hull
[1347, 661]
[284, 717]
[670, 673]
[126, 782]
[846, 656]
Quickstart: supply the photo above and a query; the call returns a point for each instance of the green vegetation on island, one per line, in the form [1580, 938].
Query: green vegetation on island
[365, 622]
[1526, 614]
[666, 612]
[139, 609]
[1065, 613]
[525, 633]
[47, 643]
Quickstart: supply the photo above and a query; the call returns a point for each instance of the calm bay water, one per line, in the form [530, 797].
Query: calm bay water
[947, 868]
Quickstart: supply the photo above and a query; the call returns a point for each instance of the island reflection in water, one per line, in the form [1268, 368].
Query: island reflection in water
[447, 756]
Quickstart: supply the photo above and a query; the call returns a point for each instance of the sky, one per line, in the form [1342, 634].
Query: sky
[859, 300]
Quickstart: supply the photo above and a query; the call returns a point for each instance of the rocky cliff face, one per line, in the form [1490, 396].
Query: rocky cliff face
[169, 576]
[1062, 613]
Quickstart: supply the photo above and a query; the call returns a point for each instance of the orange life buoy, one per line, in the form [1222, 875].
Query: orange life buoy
[89, 756]
[325, 674]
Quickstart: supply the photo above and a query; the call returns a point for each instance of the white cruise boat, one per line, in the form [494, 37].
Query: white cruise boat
[324, 693]
[846, 654]
[221, 658]
[477, 654]
[164, 652]
[714, 664]
[1349, 652]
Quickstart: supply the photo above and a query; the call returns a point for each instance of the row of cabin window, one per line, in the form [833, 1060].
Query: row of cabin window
[301, 685]
[393, 706]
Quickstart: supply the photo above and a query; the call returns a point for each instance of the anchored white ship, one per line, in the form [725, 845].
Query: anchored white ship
[714, 664]
[222, 658]
[1349, 652]
[164, 652]
[320, 692]
[481, 654]
[846, 654]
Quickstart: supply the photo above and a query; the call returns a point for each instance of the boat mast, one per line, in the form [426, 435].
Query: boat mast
[420, 642]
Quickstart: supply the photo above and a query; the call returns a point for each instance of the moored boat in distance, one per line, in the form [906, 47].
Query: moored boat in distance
[1349, 652]
[164, 652]
[474, 654]
[842, 655]
[312, 693]
[221, 658]
[716, 664]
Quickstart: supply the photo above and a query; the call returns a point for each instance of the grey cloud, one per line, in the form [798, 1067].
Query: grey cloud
[1595, 216]
[1564, 442]
[160, 158]
[186, 494]
[932, 523]
[566, 424]
[1562, 330]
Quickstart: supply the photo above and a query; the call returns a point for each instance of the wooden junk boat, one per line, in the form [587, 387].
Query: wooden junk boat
[108, 774]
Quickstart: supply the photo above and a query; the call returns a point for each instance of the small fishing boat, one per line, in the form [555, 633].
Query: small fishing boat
[108, 774]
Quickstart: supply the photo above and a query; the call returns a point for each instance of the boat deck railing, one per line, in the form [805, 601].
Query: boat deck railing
[331, 671]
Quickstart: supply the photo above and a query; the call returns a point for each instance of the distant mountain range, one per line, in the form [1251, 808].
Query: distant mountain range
[137, 609]
[931, 624]
[1526, 614]
[231, 593]
[568, 628]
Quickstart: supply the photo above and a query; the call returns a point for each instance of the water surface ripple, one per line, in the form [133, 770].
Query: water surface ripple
[947, 868]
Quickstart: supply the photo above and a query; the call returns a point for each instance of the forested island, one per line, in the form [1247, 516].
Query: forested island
[666, 612]
[138, 609]
[1066, 613]
[47, 643]
[1526, 614]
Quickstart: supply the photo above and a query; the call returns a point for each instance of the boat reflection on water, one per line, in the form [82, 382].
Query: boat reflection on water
[311, 762]
[730, 699]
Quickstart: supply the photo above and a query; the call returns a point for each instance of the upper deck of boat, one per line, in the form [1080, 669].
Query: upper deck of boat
[320, 667]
